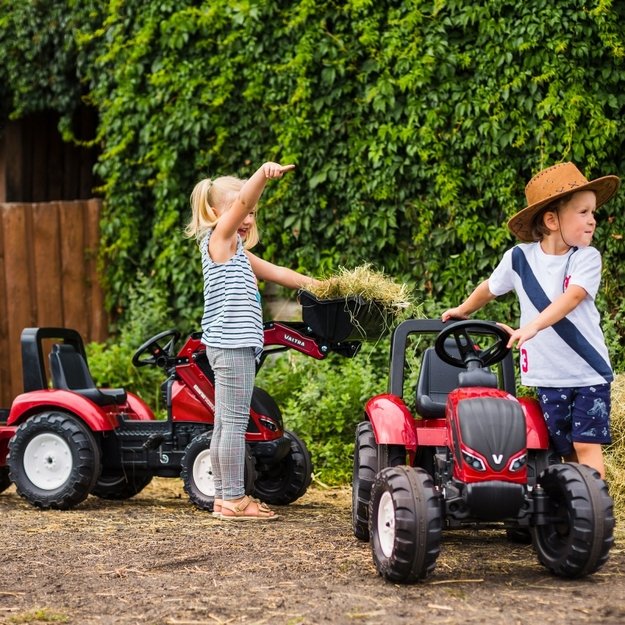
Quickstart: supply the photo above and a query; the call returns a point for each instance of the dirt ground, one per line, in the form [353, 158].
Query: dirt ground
[156, 560]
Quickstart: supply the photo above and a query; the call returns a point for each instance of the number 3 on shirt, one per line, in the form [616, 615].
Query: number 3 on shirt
[524, 365]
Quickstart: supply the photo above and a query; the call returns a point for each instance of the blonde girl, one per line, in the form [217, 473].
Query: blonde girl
[223, 222]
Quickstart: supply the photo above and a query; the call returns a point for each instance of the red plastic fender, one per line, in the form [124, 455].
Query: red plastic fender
[392, 422]
[537, 433]
[27, 404]
[139, 409]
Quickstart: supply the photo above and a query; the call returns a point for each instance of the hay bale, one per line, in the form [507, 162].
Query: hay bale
[615, 452]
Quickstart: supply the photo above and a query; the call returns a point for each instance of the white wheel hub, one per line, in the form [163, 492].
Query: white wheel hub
[48, 461]
[203, 473]
[386, 524]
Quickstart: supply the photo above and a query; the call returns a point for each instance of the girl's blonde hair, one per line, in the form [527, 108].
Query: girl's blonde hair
[209, 193]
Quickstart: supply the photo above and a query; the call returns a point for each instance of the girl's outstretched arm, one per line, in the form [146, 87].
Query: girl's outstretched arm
[248, 197]
[264, 270]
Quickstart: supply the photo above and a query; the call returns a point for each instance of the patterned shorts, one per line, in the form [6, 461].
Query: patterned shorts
[580, 415]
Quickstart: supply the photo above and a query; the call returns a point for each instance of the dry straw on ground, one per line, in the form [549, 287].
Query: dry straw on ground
[615, 453]
[369, 284]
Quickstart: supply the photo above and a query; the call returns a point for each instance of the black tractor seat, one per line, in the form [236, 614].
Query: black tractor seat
[437, 379]
[70, 372]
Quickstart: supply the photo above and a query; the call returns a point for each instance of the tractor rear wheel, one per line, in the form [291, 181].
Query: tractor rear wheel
[287, 480]
[54, 460]
[369, 458]
[197, 472]
[405, 523]
[579, 533]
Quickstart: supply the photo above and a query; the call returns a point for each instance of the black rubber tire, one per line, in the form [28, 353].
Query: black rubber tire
[578, 539]
[195, 465]
[120, 484]
[369, 458]
[55, 430]
[405, 523]
[5, 480]
[288, 480]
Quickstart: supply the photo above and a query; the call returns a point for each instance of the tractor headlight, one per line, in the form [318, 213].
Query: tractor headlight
[516, 464]
[270, 424]
[473, 461]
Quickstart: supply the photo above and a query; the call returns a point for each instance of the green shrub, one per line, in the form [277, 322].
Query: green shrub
[111, 362]
[323, 400]
[414, 124]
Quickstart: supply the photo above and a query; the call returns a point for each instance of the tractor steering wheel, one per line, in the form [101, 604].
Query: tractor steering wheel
[471, 356]
[159, 356]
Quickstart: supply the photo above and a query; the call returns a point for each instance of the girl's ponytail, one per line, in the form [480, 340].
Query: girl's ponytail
[203, 217]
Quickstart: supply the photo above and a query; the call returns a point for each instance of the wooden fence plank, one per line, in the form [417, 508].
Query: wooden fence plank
[54, 173]
[48, 277]
[73, 266]
[5, 368]
[41, 161]
[47, 264]
[98, 330]
[18, 286]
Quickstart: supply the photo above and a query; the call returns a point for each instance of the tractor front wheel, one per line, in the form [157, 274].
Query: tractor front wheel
[54, 460]
[369, 458]
[405, 523]
[197, 472]
[287, 480]
[578, 534]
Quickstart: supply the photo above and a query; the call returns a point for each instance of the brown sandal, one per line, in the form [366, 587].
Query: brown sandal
[239, 511]
[217, 508]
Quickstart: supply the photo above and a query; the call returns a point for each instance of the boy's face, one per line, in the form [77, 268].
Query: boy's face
[577, 219]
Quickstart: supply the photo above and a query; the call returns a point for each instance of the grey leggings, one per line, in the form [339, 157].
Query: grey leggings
[235, 370]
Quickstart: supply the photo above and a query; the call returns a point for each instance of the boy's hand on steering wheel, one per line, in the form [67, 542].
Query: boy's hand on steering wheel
[453, 313]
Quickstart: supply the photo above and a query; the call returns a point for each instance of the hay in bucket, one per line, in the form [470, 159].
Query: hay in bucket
[368, 284]
[358, 304]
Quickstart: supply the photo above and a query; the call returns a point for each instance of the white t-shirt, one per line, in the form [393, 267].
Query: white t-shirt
[572, 352]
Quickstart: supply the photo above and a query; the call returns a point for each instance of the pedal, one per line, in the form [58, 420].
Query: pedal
[153, 441]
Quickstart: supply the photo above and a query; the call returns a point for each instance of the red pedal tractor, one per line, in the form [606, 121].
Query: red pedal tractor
[64, 438]
[472, 455]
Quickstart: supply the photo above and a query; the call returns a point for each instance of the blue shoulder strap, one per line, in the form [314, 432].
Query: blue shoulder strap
[564, 328]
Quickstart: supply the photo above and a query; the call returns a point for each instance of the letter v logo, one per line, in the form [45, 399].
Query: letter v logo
[497, 458]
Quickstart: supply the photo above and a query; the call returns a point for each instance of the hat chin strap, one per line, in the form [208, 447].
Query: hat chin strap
[561, 231]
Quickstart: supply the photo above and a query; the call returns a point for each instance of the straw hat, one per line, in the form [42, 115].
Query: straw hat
[553, 183]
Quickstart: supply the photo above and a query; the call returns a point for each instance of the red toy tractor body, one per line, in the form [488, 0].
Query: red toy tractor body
[472, 455]
[64, 438]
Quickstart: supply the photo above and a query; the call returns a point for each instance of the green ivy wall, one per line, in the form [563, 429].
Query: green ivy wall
[415, 125]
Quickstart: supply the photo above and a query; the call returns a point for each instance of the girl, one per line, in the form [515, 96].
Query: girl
[223, 222]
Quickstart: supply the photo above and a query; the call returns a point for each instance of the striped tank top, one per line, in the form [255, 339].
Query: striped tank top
[232, 311]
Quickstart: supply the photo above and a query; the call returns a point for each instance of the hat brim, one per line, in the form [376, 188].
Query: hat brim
[521, 224]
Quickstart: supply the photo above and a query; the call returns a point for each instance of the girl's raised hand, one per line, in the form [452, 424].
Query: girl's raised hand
[275, 170]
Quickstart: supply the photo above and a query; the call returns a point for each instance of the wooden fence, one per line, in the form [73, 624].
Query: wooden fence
[48, 277]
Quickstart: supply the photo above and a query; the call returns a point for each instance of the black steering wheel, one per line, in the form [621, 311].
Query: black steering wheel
[159, 356]
[471, 356]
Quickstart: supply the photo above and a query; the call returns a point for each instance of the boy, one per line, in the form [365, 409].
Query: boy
[556, 275]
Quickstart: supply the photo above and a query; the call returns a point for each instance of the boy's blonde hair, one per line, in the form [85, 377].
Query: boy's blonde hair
[209, 193]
